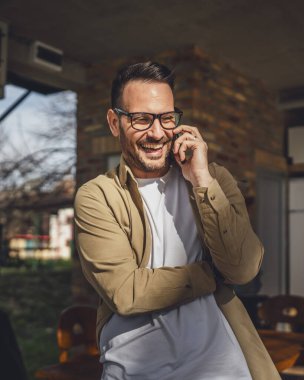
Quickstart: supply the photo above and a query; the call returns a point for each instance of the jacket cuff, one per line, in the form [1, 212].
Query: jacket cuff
[211, 198]
[202, 279]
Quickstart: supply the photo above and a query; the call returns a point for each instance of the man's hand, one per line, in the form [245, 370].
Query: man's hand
[190, 151]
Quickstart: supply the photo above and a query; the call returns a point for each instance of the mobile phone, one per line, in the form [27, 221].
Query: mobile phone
[174, 139]
[188, 151]
[171, 155]
[176, 136]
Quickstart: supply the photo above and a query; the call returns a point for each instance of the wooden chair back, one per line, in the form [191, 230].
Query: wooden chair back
[252, 304]
[283, 309]
[76, 332]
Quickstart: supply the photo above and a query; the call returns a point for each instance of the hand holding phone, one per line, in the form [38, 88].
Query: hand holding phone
[190, 152]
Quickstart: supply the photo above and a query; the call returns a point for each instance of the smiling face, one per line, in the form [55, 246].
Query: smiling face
[146, 152]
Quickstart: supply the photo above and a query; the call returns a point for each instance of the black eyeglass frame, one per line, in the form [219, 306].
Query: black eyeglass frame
[158, 116]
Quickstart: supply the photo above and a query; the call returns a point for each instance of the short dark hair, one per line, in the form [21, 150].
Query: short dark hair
[145, 71]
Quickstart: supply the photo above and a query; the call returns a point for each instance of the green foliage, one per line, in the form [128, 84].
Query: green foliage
[15, 265]
[33, 296]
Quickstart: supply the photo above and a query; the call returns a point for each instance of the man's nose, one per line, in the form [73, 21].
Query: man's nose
[156, 131]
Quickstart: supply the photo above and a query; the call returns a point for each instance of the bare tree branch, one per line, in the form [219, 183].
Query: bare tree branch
[26, 180]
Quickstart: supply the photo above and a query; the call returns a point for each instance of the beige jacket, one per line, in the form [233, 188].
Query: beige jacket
[113, 239]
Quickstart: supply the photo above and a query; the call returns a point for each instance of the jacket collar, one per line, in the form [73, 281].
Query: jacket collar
[124, 171]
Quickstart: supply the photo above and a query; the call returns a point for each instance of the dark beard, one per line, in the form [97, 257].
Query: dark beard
[135, 161]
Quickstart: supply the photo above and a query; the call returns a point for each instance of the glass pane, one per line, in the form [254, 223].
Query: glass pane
[169, 120]
[141, 120]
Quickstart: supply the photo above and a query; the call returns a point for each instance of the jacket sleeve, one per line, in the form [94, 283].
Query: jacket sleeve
[109, 263]
[235, 249]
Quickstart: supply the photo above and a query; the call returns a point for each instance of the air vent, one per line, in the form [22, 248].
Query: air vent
[47, 56]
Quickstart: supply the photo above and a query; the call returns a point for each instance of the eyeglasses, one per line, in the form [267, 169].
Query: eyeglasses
[144, 120]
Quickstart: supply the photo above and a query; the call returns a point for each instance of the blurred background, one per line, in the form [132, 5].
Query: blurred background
[240, 79]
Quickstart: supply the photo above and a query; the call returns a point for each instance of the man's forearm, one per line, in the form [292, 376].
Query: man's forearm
[144, 290]
[109, 263]
[235, 249]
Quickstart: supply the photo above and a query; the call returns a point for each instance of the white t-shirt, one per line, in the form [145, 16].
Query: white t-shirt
[190, 342]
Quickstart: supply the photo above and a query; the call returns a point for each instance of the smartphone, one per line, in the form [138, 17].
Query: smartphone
[176, 137]
[171, 155]
[188, 151]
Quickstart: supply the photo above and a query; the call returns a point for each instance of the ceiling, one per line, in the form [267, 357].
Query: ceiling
[262, 38]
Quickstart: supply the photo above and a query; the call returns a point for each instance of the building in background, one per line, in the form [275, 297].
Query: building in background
[240, 79]
[40, 226]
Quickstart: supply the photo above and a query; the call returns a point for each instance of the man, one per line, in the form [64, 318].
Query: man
[162, 238]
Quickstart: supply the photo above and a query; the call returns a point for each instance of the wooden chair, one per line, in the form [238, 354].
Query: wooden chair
[78, 353]
[283, 312]
[252, 304]
[284, 315]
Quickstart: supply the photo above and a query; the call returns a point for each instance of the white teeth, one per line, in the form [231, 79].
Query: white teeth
[155, 147]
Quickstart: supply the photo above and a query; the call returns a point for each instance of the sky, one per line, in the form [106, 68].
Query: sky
[19, 134]
[21, 126]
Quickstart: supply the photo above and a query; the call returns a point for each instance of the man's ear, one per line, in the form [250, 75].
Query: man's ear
[113, 122]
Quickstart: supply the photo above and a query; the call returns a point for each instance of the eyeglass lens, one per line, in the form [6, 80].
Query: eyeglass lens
[143, 121]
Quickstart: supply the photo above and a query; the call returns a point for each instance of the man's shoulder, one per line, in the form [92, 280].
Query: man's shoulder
[221, 174]
[216, 170]
[103, 183]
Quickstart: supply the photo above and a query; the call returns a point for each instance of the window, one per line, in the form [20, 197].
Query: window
[296, 144]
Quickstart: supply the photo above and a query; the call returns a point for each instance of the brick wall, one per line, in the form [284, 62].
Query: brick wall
[237, 116]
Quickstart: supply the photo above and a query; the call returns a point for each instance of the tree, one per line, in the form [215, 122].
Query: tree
[34, 179]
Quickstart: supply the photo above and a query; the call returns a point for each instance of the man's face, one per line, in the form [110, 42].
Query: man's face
[146, 152]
